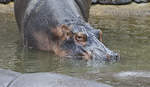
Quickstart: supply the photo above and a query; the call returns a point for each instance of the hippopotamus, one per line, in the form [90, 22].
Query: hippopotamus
[10, 78]
[61, 26]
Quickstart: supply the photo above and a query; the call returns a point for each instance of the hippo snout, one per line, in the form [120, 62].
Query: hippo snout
[102, 53]
[112, 57]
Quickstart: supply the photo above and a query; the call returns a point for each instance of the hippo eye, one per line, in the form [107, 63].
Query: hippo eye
[80, 37]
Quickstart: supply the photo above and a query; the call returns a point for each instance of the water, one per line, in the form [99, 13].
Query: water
[130, 36]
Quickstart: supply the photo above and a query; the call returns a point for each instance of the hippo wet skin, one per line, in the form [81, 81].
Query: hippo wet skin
[61, 26]
[14, 79]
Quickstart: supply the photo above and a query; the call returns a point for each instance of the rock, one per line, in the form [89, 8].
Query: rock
[5, 1]
[141, 1]
[94, 1]
[118, 2]
[115, 2]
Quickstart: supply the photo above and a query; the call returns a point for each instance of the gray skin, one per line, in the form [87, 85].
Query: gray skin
[7, 76]
[14, 79]
[34, 16]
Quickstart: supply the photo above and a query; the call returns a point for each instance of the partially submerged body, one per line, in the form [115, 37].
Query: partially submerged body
[14, 79]
[61, 26]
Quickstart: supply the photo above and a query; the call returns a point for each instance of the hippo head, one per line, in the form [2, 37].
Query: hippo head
[82, 41]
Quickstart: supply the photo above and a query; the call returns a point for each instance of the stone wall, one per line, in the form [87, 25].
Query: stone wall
[130, 10]
[118, 2]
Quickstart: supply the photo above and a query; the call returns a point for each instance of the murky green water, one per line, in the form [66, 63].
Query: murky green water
[128, 36]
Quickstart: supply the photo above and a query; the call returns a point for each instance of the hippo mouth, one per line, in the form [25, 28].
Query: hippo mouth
[94, 55]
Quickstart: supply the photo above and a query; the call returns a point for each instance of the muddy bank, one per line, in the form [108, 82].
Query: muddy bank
[129, 10]
[103, 10]
[7, 8]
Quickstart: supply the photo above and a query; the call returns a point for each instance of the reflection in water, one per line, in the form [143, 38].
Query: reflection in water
[133, 74]
[8, 41]
[128, 36]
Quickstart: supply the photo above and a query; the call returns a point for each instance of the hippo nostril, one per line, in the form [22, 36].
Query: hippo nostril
[117, 57]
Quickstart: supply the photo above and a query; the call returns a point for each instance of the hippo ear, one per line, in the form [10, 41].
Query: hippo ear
[65, 28]
[98, 34]
[101, 36]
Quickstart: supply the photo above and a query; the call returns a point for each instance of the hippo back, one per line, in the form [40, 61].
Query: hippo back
[7, 76]
[53, 80]
[22, 5]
